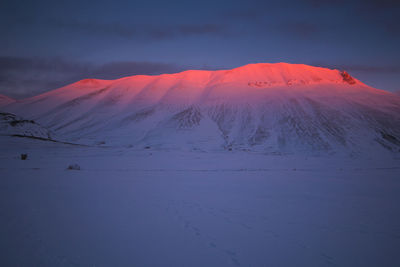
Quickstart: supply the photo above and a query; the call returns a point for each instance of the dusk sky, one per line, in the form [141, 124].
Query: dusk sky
[48, 44]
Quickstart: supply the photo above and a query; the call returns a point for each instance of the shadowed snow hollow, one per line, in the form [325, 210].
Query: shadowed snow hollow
[273, 108]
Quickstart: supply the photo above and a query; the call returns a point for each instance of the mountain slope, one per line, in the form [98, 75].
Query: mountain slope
[5, 100]
[274, 108]
[12, 125]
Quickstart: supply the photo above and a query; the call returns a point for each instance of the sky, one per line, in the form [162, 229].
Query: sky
[48, 44]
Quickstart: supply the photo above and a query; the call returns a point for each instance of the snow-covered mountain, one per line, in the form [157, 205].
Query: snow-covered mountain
[5, 100]
[12, 125]
[273, 108]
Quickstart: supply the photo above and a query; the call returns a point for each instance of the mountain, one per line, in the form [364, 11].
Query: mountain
[5, 100]
[12, 125]
[272, 108]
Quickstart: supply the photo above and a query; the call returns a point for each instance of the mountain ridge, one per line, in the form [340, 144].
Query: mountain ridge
[265, 107]
[5, 100]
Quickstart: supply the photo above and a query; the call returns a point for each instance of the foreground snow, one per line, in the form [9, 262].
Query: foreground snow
[164, 208]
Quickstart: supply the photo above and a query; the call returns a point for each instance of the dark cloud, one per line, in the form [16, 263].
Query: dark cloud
[23, 77]
[140, 31]
[244, 14]
[285, 16]
[379, 4]
[300, 30]
[359, 4]
[392, 26]
[252, 11]
[24, 64]
[202, 29]
[114, 29]
[323, 3]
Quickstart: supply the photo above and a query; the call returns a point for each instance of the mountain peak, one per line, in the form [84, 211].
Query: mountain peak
[273, 108]
[260, 75]
[286, 74]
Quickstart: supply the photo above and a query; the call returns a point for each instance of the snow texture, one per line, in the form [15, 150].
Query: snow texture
[170, 208]
[263, 165]
[13, 125]
[270, 108]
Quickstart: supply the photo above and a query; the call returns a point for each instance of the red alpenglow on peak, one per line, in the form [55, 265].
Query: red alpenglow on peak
[193, 84]
[274, 108]
[247, 84]
[5, 100]
[277, 74]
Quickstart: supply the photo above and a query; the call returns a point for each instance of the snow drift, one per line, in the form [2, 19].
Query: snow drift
[12, 125]
[273, 108]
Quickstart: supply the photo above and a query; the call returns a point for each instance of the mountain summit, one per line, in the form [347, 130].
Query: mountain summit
[272, 108]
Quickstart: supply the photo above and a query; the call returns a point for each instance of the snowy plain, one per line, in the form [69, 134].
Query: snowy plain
[262, 165]
[128, 207]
